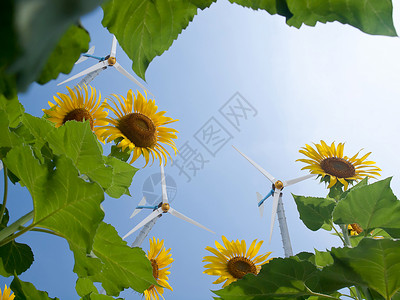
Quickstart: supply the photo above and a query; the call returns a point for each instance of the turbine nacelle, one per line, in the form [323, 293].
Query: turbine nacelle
[276, 191]
[162, 208]
[104, 62]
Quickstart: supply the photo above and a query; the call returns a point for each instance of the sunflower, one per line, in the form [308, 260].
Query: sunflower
[332, 166]
[232, 262]
[160, 259]
[78, 106]
[138, 126]
[6, 294]
[354, 229]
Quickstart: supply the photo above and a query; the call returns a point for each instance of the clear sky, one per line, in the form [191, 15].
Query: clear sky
[329, 82]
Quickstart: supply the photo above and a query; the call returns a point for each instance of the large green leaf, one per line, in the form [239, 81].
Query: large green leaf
[273, 7]
[376, 261]
[8, 139]
[85, 286]
[122, 266]
[10, 114]
[15, 258]
[77, 141]
[288, 278]
[62, 59]
[315, 212]
[9, 48]
[372, 206]
[145, 29]
[63, 202]
[13, 108]
[36, 28]
[370, 16]
[27, 291]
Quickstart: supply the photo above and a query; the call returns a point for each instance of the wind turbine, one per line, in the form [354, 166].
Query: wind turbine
[163, 208]
[104, 62]
[277, 205]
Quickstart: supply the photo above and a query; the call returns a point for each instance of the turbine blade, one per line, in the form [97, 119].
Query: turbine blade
[91, 50]
[95, 67]
[265, 173]
[137, 210]
[146, 220]
[120, 69]
[274, 210]
[163, 185]
[183, 217]
[260, 206]
[296, 180]
[113, 47]
[83, 58]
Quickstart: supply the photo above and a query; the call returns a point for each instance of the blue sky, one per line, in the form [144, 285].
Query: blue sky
[329, 82]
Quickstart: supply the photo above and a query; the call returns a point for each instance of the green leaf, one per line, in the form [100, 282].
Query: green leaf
[62, 59]
[121, 178]
[9, 48]
[157, 25]
[372, 206]
[87, 290]
[370, 16]
[77, 141]
[27, 291]
[117, 152]
[315, 212]
[8, 139]
[62, 201]
[85, 286]
[376, 261]
[284, 279]
[362, 183]
[271, 6]
[122, 266]
[38, 25]
[304, 256]
[15, 258]
[323, 259]
[13, 108]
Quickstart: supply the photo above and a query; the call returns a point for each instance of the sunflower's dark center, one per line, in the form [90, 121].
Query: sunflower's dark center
[155, 268]
[240, 266]
[338, 167]
[139, 129]
[80, 115]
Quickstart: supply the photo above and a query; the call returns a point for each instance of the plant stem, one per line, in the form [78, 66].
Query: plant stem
[6, 235]
[345, 235]
[3, 207]
[367, 293]
[358, 293]
[337, 232]
[318, 294]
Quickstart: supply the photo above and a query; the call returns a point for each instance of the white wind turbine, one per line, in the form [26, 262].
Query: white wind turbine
[277, 205]
[163, 207]
[104, 62]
